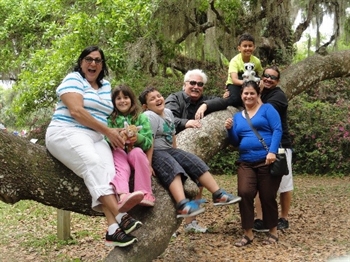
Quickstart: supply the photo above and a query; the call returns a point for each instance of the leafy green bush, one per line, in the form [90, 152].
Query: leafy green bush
[319, 123]
[224, 161]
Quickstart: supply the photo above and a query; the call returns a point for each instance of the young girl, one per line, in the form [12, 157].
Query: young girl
[127, 110]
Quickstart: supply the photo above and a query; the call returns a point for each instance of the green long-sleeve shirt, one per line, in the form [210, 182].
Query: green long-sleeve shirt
[144, 138]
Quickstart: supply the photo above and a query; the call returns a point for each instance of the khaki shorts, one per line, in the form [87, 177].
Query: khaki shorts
[287, 181]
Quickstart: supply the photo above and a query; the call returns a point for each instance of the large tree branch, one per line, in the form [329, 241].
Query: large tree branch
[29, 172]
[303, 75]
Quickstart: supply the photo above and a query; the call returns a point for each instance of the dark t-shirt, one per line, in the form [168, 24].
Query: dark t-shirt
[277, 98]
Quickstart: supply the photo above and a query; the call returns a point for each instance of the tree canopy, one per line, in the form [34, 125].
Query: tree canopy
[41, 39]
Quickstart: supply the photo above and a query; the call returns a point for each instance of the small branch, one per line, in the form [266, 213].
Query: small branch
[219, 17]
[197, 28]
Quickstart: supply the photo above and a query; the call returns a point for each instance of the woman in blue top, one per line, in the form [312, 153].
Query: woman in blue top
[254, 160]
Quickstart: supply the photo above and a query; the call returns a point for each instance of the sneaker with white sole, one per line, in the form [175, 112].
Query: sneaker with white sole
[129, 224]
[119, 239]
[193, 227]
[186, 208]
[221, 197]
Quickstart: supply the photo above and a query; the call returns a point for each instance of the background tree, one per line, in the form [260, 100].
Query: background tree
[146, 41]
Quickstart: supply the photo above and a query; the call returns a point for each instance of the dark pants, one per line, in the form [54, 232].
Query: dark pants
[168, 163]
[253, 178]
[234, 99]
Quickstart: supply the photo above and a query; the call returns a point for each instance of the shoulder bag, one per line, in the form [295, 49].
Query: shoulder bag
[280, 166]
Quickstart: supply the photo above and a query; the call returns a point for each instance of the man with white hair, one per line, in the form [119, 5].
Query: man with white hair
[184, 105]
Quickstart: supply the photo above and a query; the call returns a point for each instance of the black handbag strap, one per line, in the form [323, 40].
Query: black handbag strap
[261, 139]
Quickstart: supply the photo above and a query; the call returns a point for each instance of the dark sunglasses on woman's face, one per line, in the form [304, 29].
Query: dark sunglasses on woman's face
[270, 76]
[193, 83]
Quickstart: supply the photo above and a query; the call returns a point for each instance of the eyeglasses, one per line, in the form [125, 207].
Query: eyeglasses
[193, 83]
[89, 60]
[270, 76]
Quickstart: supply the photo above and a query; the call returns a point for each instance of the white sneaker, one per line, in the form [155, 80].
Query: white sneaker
[194, 227]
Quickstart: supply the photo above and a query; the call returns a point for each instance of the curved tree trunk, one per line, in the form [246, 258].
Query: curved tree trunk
[28, 171]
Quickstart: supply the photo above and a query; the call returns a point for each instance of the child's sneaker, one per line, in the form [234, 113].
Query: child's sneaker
[148, 200]
[129, 201]
[221, 197]
[193, 227]
[129, 224]
[119, 239]
[186, 208]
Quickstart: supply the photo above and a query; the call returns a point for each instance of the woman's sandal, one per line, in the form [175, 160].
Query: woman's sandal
[244, 241]
[270, 240]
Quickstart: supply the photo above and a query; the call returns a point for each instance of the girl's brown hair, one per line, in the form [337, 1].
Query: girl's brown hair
[135, 109]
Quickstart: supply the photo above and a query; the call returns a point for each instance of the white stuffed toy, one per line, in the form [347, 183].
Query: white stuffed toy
[249, 73]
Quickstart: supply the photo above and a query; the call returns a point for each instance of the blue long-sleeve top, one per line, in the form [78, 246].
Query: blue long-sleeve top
[267, 122]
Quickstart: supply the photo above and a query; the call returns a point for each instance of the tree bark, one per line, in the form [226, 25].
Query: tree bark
[28, 171]
[303, 75]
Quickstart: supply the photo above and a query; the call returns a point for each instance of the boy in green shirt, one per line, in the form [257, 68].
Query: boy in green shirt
[246, 47]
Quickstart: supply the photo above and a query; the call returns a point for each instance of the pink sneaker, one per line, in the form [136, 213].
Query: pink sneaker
[129, 201]
[148, 200]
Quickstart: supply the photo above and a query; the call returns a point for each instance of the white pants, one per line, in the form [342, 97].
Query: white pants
[287, 181]
[88, 155]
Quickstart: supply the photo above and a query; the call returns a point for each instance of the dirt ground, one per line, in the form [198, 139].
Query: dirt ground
[319, 231]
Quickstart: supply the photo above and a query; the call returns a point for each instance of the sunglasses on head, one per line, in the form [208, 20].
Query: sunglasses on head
[193, 83]
[270, 76]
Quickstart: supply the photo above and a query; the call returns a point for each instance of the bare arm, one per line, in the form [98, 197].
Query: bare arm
[174, 141]
[149, 154]
[74, 102]
[200, 111]
[235, 80]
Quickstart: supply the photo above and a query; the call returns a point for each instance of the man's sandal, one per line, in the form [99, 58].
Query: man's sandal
[244, 241]
[270, 240]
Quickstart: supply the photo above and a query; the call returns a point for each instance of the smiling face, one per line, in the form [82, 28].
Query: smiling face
[246, 48]
[270, 78]
[192, 88]
[91, 66]
[155, 102]
[123, 103]
[249, 96]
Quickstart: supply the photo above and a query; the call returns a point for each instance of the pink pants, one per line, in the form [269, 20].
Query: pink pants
[136, 160]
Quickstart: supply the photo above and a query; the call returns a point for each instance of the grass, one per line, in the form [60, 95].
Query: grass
[34, 226]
